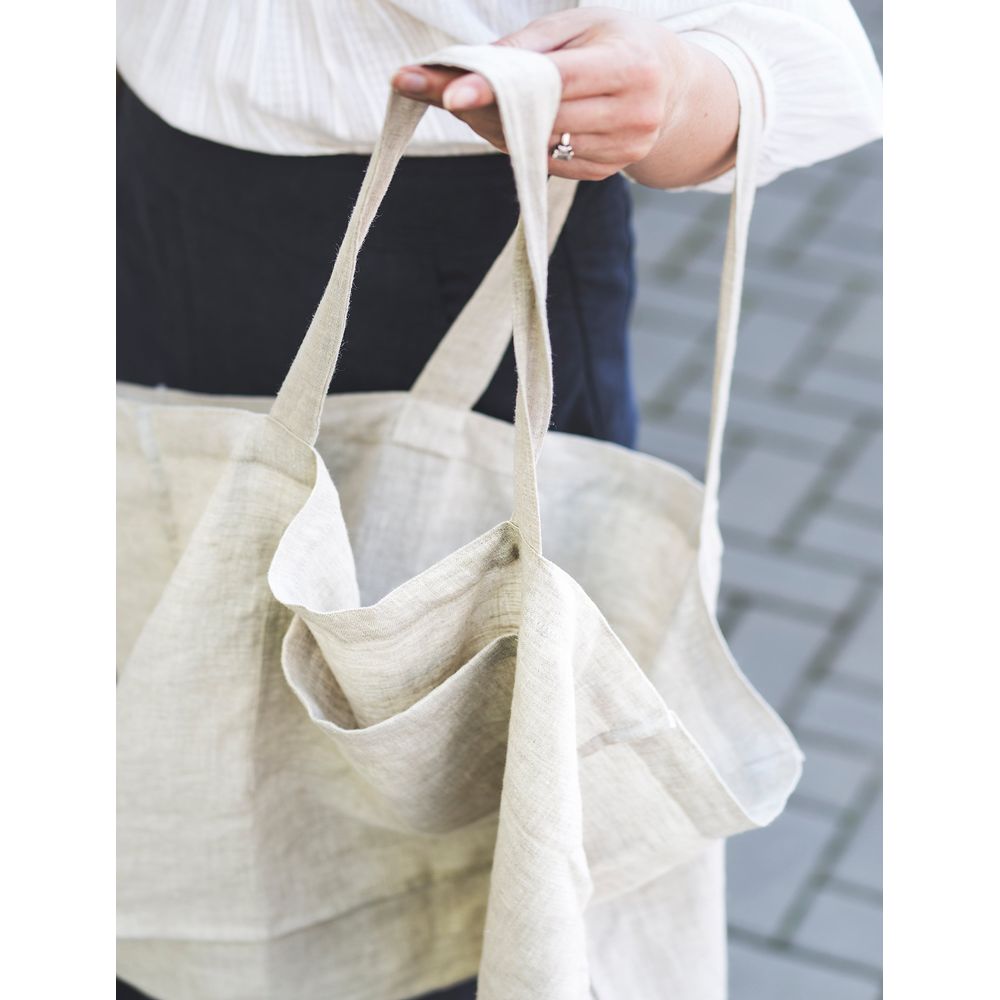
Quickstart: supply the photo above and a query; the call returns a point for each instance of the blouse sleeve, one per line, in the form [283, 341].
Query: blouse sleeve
[820, 83]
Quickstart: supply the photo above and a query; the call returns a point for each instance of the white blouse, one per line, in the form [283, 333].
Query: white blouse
[309, 77]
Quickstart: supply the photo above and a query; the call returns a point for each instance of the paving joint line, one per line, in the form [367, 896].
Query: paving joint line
[779, 605]
[844, 887]
[808, 805]
[812, 353]
[855, 685]
[820, 664]
[808, 956]
[737, 606]
[817, 403]
[853, 512]
[832, 852]
[822, 740]
[838, 462]
[806, 555]
[855, 565]
[855, 365]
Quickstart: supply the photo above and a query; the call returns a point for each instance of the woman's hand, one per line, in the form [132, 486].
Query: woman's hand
[635, 97]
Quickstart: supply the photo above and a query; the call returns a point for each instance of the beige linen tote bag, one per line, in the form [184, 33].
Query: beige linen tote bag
[371, 740]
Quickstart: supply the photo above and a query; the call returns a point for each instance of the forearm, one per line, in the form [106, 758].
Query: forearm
[698, 139]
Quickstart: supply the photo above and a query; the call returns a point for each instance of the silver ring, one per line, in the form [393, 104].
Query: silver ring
[564, 149]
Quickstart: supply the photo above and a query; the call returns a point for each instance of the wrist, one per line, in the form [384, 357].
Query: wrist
[684, 71]
[697, 140]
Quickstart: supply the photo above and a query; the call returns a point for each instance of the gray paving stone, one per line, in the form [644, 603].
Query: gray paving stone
[727, 610]
[843, 926]
[658, 233]
[696, 288]
[767, 868]
[763, 490]
[762, 974]
[816, 266]
[831, 777]
[846, 363]
[686, 204]
[801, 187]
[672, 445]
[861, 862]
[869, 13]
[775, 423]
[862, 483]
[768, 342]
[861, 656]
[845, 714]
[854, 260]
[864, 161]
[828, 532]
[658, 311]
[774, 650]
[855, 391]
[781, 419]
[770, 285]
[694, 397]
[701, 242]
[862, 200]
[806, 374]
[861, 335]
[700, 259]
[654, 358]
[851, 240]
[774, 215]
[715, 210]
[780, 575]
[694, 403]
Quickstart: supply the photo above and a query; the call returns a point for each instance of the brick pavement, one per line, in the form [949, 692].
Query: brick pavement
[801, 514]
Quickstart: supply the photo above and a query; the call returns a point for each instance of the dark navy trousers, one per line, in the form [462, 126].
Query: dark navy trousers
[223, 255]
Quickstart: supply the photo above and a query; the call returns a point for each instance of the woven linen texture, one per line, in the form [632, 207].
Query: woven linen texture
[372, 740]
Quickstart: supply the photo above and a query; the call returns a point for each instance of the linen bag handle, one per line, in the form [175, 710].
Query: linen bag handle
[731, 284]
[527, 88]
[461, 368]
[467, 357]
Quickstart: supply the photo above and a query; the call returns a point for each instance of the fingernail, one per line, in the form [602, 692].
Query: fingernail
[411, 83]
[460, 97]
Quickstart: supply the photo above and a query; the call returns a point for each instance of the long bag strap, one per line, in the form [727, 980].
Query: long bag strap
[528, 89]
[731, 285]
[460, 370]
[302, 395]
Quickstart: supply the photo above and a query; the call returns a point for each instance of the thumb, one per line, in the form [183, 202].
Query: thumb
[466, 93]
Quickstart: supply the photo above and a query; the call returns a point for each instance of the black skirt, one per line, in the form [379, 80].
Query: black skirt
[223, 255]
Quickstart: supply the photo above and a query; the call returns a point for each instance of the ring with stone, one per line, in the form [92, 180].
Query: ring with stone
[563, 149]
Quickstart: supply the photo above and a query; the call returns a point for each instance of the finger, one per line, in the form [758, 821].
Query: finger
[468, 93]
[553, 30]
[485, 123]
[454, 90]
[590, 71]
[589, 114]
[579, 169]
[595, 147]
[624, 147]
[587, 71]
[423, 83]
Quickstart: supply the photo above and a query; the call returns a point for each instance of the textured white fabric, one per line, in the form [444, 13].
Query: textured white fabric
[312, 76]
[371, 739]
